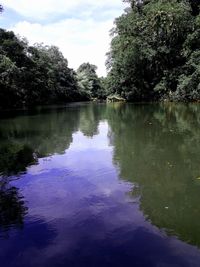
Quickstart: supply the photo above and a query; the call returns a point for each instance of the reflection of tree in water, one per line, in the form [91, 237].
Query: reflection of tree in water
[155, 146]
[50, 133]
[14, 158]
[158, 148]
[12, 208]
[44, 133]
[25, 138]
[90, 117]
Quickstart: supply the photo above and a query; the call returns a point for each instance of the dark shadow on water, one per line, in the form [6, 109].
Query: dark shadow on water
[12, 208]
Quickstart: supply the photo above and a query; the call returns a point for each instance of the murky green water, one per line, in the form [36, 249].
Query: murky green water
[101, 185]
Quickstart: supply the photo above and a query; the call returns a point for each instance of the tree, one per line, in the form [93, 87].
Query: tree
[56, 79]
[147, 54]
[32, 75]
[88, 81]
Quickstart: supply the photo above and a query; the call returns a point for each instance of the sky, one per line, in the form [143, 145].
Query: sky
[80, 28]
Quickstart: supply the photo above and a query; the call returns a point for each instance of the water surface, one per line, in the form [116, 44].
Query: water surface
[101, 185]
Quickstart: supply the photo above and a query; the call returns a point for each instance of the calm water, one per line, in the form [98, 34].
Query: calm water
[101, 185]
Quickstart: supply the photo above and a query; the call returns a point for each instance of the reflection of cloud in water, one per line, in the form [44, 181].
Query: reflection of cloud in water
[80, 214]
[97, 142]
[81, 148]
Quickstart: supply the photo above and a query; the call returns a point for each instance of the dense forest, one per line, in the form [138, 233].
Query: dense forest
[154, 56]
[39, 74]
[155, 51]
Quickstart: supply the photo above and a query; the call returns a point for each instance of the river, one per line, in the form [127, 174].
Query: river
[97, 185]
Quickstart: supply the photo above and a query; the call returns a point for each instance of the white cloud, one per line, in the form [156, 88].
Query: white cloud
[80, 41]
[80, 28]
[40, 9]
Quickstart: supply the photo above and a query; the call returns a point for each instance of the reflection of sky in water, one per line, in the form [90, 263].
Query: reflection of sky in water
[80, 214]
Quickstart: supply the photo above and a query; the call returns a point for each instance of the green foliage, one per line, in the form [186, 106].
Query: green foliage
[39, 74]
[154, 56]
[32, 75]
[151, 51]
[189, 83]
[55, 79]
[89, 83]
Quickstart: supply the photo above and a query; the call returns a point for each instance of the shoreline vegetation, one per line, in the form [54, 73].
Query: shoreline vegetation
[154, 56]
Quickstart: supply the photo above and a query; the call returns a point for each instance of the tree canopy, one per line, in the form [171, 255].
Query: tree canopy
[154, 56]
[38, 74]
[88, 81]
[155, 51]
[31, 75]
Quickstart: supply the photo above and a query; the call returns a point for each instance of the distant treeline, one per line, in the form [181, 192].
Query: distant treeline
[39, 74]
[154, 56]
[155, 51]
